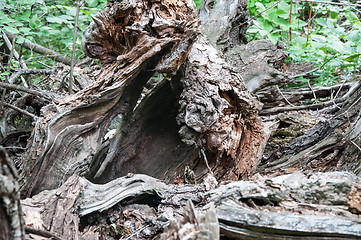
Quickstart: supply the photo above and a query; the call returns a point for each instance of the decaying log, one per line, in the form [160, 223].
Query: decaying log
[136, 38]
[216, 116]
[332, 144]
[200, 116]
[259, 63]
[11, 221]
[291, 206]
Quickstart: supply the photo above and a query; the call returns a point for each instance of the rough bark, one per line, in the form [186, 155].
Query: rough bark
[332, 144]
[202, 117]
[293, 206]
[215, 115]
[11, 221]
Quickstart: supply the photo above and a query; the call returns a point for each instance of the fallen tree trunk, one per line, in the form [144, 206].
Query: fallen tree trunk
[200, 117]
[294, 206]
[11, 219]
[331, 145]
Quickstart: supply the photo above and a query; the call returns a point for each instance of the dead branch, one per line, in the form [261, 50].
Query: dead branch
[39, 93]
[28, 71]
[331, 3]
[304, 73]
[80, 3]
[352, 87]
[10, 46]
[43, 233]
[43, 50]
[20, 110]
[16, 55]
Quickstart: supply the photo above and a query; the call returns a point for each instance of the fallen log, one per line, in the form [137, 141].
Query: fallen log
[291, 206]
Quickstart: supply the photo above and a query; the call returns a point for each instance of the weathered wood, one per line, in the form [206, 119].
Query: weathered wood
[216, 115]
[330, 145]
[203, 116]
[131, 39]
[11, 222]
[291, 206]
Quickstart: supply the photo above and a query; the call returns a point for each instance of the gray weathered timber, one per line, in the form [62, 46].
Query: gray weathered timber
[332, 144]
[71, 129]
[259, 63]
[11, 222]
[291, 206]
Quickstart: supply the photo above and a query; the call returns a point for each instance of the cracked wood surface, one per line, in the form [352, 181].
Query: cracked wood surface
[291, 206]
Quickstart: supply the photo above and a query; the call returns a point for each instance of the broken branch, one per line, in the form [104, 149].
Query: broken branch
[43, 50]
[27, 90]
[20, 110]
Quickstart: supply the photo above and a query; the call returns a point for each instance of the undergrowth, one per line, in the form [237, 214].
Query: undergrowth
[328, 35]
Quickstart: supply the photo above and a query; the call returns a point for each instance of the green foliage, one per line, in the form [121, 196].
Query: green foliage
[48, 23]
[334, 35]
[198, 3]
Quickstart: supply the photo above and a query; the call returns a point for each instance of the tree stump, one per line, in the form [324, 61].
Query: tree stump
[199, 117]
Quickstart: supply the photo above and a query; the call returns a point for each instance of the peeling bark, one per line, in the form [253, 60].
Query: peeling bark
[330, 145]
[11, 221]
[132, 39]
[293, 206]
[203, 117]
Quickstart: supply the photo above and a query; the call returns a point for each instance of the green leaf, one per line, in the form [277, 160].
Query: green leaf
[352, 57]
[260, 6]
[56, 20]
[11, 29]
[253, 29]
[351, 16]
[263, 33]
[334, 15]
[25, 30]
[94, 3]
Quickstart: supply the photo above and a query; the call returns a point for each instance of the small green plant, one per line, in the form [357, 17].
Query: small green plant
[333, 40]
[198, 3]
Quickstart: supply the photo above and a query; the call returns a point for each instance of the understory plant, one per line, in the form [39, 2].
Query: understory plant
[328, 35]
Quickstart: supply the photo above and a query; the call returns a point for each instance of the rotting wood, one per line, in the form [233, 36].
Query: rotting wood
[11, 226]
[332, 144]
[42, 50]
[290, 206]
[131, 40]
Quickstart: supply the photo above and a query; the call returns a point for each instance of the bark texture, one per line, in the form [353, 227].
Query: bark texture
[136, 38]
[332, 144]
[200, 117]
[11, 221]
[292, 206]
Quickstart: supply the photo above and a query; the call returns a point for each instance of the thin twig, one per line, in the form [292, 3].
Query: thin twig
[80, 3]
[313, 92]
[284, 97]
[206, 161]
[255, 16]
[309, 22]
[290, 30]
[20, 110]
[27, 90]
[45, 65]
[331, 3]
[303, 74]
[43, 233]
[136, 232]
[359, 148]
